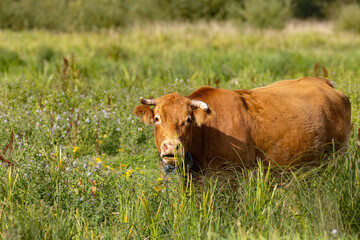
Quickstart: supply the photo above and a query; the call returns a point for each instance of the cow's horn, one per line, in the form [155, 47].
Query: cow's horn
[147, 101]
[200, 104]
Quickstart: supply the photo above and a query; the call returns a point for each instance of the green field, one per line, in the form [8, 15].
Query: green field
[83, 167]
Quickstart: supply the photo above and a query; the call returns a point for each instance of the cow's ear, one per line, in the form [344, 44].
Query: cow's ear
[202, 116]
[145, 112]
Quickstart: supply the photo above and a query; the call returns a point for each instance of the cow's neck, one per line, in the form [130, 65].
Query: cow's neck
[197, 149]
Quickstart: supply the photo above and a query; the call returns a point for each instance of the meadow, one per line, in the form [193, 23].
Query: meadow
[76, 164]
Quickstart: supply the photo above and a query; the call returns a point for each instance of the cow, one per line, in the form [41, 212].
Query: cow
[283, 124]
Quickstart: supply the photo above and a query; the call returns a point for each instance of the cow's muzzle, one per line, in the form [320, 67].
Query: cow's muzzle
[170, 150]
[173, 154]
[170, 168]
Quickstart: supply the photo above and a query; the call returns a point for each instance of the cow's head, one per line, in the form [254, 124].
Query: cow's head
[175, 118]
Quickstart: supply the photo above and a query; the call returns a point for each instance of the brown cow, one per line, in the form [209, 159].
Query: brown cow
[287, 122]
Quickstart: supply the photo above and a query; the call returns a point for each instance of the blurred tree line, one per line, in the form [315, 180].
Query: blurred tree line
[70, 15]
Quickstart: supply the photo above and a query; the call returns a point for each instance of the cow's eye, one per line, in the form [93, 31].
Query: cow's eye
[157, 119]
[188, 120]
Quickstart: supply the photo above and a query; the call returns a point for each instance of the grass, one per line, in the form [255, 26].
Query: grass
[85, 168]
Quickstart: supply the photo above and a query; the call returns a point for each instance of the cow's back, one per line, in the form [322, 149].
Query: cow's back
[293, 120]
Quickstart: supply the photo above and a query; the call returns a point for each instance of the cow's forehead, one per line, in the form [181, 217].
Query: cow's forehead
[172, 106]
[171, 98]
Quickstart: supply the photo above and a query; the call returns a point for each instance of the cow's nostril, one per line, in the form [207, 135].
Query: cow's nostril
[170, 146]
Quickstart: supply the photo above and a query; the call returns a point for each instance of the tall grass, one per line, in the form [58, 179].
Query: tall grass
[75, 163]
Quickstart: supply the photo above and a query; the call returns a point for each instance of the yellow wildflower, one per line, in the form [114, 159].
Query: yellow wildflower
[128, 173]
[123, 165]
[137, 168]
[91, 163]
[98, 160]
[75, 149]
[120, 150]
[159, 179]
[156, 188]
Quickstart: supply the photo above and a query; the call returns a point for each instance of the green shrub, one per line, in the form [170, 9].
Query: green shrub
[89, 14]
[311, 8]
[72, 15]
[8, 59]
[266, 13]
[29, 14]
[349, 18]
[184, 9]
[62, 14]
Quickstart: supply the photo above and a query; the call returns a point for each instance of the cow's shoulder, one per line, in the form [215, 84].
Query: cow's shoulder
[213, 95]
[202, 93]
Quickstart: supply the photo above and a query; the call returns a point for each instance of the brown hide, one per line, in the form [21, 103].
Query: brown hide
[286, 123]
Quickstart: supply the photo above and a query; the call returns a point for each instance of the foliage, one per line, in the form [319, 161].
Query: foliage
[349, 18]
[71, 15]
[266, 14]
[61, 15]
[192, 10]
[312, 8]
[79, 15]
[84, 167]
